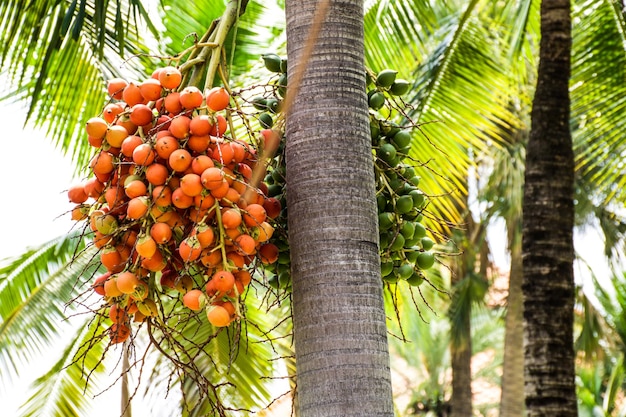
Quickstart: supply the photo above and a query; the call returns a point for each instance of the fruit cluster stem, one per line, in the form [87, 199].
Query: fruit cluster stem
[222, 233]
[226, 22]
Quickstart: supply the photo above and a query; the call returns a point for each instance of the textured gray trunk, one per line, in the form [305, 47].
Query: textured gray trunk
[512, 400]
[342, 358]
[547, 247]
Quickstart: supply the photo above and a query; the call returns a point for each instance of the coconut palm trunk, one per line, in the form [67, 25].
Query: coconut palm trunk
[548, 220]
[340, 337]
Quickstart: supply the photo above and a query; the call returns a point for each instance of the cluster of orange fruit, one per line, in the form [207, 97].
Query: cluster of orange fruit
[170, 202]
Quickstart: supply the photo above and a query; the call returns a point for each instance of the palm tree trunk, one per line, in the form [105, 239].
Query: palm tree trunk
[548, 221]
[342, 357]
[512, 399]
[461, 364]
[461, 340]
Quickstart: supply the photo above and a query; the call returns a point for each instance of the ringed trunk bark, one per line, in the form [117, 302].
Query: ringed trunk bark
[548, 221]
[342, 357]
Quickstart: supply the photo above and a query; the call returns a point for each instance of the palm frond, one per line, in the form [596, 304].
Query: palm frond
[257, 31]
[599, 96]
[56, 55]
[387, 22]
[63, 390]
[34, 289]
[522, 37]
[461, 113]
[465, 114]
[239, 362]
[426, 349]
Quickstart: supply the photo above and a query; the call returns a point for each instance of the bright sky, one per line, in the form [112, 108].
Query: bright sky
[33, 177]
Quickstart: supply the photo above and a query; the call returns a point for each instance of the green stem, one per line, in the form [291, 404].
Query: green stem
[226, 23]
[221, 232]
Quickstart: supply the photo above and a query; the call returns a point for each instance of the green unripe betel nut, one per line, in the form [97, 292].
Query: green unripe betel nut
[377, 100]
[399, 87]
[272, 62]
[386, 77]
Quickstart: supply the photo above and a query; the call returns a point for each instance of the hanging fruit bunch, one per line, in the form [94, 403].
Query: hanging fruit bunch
[173, 206]
[405, 248]
[170, 205]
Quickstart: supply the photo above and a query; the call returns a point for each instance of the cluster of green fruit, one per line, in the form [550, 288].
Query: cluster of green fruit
[268, 113]
[405, 250]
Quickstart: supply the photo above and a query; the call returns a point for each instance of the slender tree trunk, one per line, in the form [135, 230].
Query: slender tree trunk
[127, 410]
[512, 399]
[461, 340]
[548, 221]
[342, 357]
[461, 364]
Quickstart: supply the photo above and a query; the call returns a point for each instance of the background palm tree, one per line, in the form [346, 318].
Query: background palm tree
[547, 243]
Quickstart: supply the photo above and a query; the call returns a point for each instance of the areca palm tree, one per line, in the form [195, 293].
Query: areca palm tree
[342, 357]
[448, 51]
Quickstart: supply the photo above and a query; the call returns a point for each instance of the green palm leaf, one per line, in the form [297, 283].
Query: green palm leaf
[462, 114]
[63, 390]
[34, 289]
[59, 54]
[258, 31]
[235, 366]
[599, 96]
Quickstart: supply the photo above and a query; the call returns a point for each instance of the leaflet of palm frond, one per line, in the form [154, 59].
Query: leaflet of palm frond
[598, 96]
[62, 390]
[60, 54]
[34, 288]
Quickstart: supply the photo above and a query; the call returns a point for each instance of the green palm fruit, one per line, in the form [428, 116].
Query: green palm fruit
[387, 152]
[399, 87]
[391, 278]
[397, 244]
[407, 171]
[386, 268]
[386, 77]
[425, 260]
[272, 62]
[381, 202]
[377, 100]
[273, 105]
[404, 204]
[401, 139]
[420, 231]
[266, 121]
[427, 243]
[282, 84]
[390, 129]
[418, 197]
[407, 230]
[385, 220]
[259, 103]
[374, 129]
[415, 279]
[411, 254]
[405, 271]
